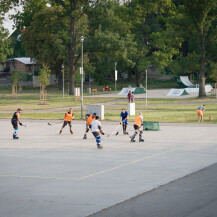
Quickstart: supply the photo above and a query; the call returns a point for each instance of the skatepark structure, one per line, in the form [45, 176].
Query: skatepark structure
[184, 82]
[135, 90]
[177, 92]
[187, 91]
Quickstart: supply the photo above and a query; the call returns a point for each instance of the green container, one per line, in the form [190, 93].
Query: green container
[151, 125]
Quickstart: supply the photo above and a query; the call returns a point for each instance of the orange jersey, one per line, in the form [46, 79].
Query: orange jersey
[68, 116]
[138, 120]
[90, 119]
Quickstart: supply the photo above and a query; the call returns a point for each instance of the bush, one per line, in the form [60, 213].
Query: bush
[17, 76]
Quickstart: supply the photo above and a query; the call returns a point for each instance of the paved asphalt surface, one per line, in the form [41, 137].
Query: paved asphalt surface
[194, 195]
[44, 174]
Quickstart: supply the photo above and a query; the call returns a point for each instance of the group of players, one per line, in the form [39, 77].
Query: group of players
[92, 122]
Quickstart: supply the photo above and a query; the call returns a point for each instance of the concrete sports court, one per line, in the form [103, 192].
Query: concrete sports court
[46, 174]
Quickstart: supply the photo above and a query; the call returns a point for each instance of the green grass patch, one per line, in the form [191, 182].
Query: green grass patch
[162, 110]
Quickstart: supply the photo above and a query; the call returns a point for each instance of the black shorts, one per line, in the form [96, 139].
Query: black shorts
[88, 126]
[95, 134]
[67, 122]
[136, 127]
[15, 125]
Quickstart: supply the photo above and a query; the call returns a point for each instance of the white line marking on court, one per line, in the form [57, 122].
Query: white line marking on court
[98, 173]
[38, 177]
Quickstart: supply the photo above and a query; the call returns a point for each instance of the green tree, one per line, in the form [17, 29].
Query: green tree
[44, 75]
[5, 49]
[74, 13]
[109, 39]
[149, 20]
[45, 38]
[202, 17]
[17, 76]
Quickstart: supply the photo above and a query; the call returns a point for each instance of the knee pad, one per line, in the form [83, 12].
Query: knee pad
[98, 139]
[141, 132]
[87, 130]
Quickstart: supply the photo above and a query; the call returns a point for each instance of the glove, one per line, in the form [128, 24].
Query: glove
[21, 124]
[102, 132]
[120, 123]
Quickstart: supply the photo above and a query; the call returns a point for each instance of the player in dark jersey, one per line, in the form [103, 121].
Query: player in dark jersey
[124, 121]
[15, 120]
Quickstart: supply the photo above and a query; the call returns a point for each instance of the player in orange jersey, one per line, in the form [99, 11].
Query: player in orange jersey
[138, 128]
[68, 120]
[89, 118]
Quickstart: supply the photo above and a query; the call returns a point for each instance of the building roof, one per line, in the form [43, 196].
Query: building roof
[24, 60]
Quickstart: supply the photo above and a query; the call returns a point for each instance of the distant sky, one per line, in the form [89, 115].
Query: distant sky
[8, 24]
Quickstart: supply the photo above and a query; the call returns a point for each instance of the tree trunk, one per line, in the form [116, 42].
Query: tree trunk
[138, 77]
[71, 47]
[202, 74]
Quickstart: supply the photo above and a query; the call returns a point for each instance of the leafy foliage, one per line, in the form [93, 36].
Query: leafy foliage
[5, 49]
[44, 75]
[17, 76]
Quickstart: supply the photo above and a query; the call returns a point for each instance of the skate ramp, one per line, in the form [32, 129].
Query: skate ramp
[183, 82]
[177, 92]
[135, 90]
[208, 88]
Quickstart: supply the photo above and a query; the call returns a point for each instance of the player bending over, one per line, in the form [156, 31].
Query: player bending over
[96, 129]
[138, 128]
[68, 120]
[200, 112]
[124, 120]
[89, 119]
[16, 119]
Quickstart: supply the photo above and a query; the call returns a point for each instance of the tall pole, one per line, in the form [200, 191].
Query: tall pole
[33, 74]
[63, 79]
[115, 74]
[146, 88]
[82, 72]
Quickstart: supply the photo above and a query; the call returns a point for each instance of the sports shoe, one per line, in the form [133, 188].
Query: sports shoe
[99, 146]
[132, 140]
[15, 137]
[126, 133]
[71, 132]
[60, 132]
[141, 140]
[85, 136]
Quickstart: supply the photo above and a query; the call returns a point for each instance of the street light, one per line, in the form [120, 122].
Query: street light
[116, 74]
[33, 75]
[63, 79]
[81, 71]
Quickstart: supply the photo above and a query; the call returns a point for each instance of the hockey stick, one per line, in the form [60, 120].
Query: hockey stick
[118, 127]
[50, 124]
[114, 131]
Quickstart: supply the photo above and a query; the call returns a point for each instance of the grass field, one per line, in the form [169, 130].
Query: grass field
[162, 110]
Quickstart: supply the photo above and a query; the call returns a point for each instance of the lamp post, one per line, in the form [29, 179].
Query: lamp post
[116, 74]
[63, 79]
[82, 72]
[33, 74]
